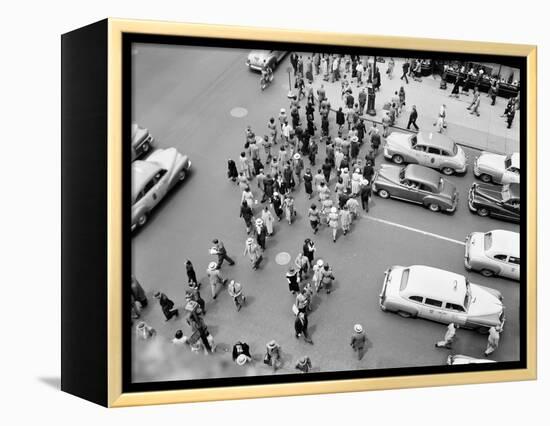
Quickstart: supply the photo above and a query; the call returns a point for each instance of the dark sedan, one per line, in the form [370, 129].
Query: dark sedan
[416, 184]
[498, 201]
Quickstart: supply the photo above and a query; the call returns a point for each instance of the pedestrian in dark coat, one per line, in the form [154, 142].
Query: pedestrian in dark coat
[365, 194]
[247, 215]
[260, 230]
[358, 340]
[368, 171]
[326, 167]
[313, 148]
[219, 250]
[166, 305]
[405, 71]
[232, 172]
[303, 364]
[510, 114]
[268, 186]
[292, 278]
[138, 293]
[308, 249]
[191, 276]
[308, 179]
[340, 118]
[354, 147]
[277, 205]
[300, 327]
[294, 62]
[240, 348]
[361, 130]
[412, 118]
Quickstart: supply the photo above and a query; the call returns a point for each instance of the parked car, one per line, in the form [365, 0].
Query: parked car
[499, 201]
[258, 58]
[493, 253]
[465, 359]
[416, 184]
[427, 149]
[142, 141]
[442, 296]
[496, 168]
[153, 178]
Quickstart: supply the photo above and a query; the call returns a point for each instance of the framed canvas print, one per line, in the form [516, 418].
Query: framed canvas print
[254, 212]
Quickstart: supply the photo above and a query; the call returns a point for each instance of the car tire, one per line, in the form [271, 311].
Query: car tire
[142, 220]
[485, 178]
[404, 314]
[483, 212]
[487, 272]
[146, 147]
[434, 207]
[182, 175]
[384, 194]
[397, 159]
[447, 171]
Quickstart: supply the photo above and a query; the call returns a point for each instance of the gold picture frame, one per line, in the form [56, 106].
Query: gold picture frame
[116, 28]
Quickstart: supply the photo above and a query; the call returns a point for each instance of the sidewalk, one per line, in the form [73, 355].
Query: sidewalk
[486, 132]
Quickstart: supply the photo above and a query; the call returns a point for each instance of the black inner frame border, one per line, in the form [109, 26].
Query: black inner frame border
[128, 39]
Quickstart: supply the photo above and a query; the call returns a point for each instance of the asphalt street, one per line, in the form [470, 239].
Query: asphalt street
[185, 97]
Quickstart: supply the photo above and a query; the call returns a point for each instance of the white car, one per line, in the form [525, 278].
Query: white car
[142, 141]
[427, 149]
[442, 296]
[493, 253]
[153, 178]
[465, 359]
[257, 59]
[497, 168]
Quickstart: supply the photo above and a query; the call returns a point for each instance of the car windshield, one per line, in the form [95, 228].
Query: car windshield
[402, 175]
[404, 279]
[468, 296]
[507, 162]
[455, 149]
[414, 140]
[488, 240]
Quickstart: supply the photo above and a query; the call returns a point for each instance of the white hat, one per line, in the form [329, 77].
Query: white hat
[358, 328]
[259, 221]
[364, 182]
[272, 344]
[212, 266]
[241, 359]
[333, 210]
[320, 262]
[297, 156]
[283, 110]
[249, 240]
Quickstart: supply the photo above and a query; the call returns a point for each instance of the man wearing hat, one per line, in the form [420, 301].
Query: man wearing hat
[298, 165]
[449, 337]
[138, 293]
[235, 290]
[260, 230]
[241, 350]
[365, 193]
[215, 278]
[166, 305]
[293, 279]
[273, 355]
[253, 251]
[358, 340]
[303, 364]
[219, 250]
[144, 331]
[492, 340]
[300, 327]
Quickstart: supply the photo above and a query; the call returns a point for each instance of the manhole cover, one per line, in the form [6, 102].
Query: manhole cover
[282, 258]
[239, 112]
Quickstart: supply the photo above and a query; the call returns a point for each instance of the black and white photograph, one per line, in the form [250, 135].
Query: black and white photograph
[306, 212]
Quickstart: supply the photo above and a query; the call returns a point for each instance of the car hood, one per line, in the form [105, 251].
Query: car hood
[400, 140]
[486, 304]
[165, 158]
[388, 172]
[489, 160]
[449, 190]
[490, 192]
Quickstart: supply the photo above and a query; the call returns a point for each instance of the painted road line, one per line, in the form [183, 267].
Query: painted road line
[408, 228]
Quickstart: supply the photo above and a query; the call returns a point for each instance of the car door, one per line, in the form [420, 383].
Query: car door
[514, 265]
[420, 154]
[510, 209]
[160, 186]
[411, 191]
[431, 309]
[433, 157]
[453, 313]
[509, 266]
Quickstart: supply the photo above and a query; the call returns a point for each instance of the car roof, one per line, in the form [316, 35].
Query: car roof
[436, 140]
[422, 175]
[142, 172]
[505, 242]
[436, 284]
